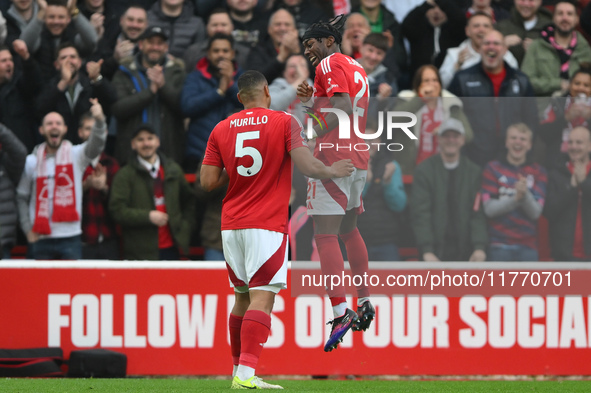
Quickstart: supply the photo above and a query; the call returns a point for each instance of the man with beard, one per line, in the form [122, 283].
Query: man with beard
[552, 59]
[121, 42]
[209, 96]
[49, 194]
[148, 88]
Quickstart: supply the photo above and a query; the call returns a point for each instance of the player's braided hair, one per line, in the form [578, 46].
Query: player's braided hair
[326, 29]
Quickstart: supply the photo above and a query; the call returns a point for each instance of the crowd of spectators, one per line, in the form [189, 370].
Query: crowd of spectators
[105, 105]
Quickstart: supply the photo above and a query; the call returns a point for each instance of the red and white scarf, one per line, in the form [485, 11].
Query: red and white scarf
[64, 190]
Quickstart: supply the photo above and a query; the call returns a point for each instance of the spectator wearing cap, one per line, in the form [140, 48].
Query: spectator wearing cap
[148, 87]
[513, 193]
[282, 41]
[178, 20]
[152, 202]
[446, 214]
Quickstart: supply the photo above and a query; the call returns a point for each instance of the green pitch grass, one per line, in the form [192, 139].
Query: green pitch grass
[209, 385]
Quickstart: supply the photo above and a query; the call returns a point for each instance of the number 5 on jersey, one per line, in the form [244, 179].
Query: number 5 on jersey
[241, 151]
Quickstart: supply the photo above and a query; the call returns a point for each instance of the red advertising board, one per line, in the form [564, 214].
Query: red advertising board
[171, 319]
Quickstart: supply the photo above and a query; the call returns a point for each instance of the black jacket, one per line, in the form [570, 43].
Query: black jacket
[561, 208]
[12, 162]
[52, 99]
[551, 131]
[489, 115]
[420, 34]
[16, 98]
[263, 58]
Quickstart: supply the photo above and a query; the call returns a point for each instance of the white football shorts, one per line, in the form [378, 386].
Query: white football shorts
[336, 196]
[256, 259]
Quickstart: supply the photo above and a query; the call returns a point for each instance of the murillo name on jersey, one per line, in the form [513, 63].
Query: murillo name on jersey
[249, 121]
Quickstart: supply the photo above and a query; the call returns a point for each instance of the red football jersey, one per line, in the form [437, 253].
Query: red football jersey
[339, 73]
[253, 145]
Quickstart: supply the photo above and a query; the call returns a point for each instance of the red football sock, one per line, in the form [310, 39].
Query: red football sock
[235, 324]
[255, 331]
[331, 264]
[358, 260]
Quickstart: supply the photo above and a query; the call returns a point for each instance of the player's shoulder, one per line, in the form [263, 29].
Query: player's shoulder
[274, 115]
[337, 61]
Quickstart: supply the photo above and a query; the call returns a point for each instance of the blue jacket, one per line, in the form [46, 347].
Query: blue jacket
[201, 102]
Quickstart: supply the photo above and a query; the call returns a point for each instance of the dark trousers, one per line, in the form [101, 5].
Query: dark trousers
[169, 254]
[57, 248]
[107, 249]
